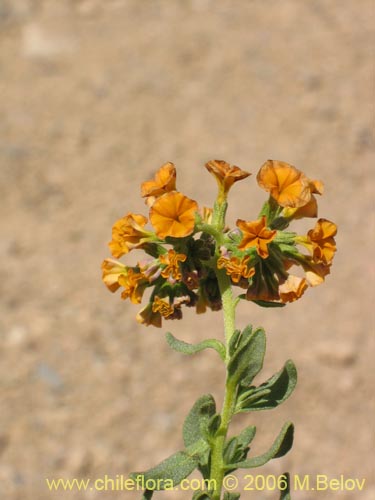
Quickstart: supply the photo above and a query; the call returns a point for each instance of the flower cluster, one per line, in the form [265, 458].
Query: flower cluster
[190, 248]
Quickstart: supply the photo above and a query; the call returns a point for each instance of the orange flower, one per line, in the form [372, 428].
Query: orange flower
[315, 272]
[226, 175]
[134, 285]
[311, 207]
[321, 240]
[173, 214]
[286, 184]
[161, 306]
[147, 317]
[128, 233]
[255, 234]
[171, 260]
[112, 270]
[163, 182]
[292, 289]
[236, 268]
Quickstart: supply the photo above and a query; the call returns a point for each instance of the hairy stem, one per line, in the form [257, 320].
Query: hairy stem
[217, 462]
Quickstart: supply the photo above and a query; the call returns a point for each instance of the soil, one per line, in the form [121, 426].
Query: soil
[95, 96]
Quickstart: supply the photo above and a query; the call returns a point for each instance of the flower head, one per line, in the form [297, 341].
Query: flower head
[128, 233]
[161, 306]
[147, 316]
[315, 272]
[286, 184]
[173, 214]
[171, 260]
[226, 175]
[134, 284]
[321, 240]
[111, 271]
[256, 234]
[292, 289]
[236, 268]
[163, 182]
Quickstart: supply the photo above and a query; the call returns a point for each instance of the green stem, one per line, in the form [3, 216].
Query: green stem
[217, 461]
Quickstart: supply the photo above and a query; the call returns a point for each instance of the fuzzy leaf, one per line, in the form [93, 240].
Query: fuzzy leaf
[201, 495]
[185, 348]
[247, 360]
[233, 342]
[247, 435]
[196, 422]
[213, 425]
[280, 447]
[175, 468]
[265, 303]
[271, 393]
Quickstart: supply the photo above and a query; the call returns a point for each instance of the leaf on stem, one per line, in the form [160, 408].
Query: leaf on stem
[280, 447]
[173, 469]
[196, 423]
[201, 495]
[271, 393]
[186, 348]
[247, 360]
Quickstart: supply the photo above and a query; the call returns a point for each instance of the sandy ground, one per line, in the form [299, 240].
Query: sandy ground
[95, 96]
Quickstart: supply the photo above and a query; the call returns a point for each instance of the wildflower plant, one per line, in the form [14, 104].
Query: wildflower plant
[194, 260]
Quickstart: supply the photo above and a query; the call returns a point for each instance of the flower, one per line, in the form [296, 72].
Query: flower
[311, 207]
[128, 233]
[173, 214]
[286, 184]
[255, 234]
[112, 270]
[236, 268]
[163, 182]
[226, 175]
[171, 260]
[322, 242]
[315, 272]
[147, 316]
[161, 306]
[134, 284]
[292, 289]
[263, 288]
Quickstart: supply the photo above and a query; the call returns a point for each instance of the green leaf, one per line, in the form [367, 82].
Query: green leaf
[280, 447]
[213, 426]
[196, 423]
[201, 495]
[264, 303]
[231, 496]
[271, 393]
[247, 360]
[147, 495]
[285, 493]
[247, 435]
[173, 469]
[233, 342]
[185, 348]
[280, 223]
[236, 448]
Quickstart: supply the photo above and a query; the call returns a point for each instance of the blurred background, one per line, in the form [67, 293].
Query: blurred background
[95, 96]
